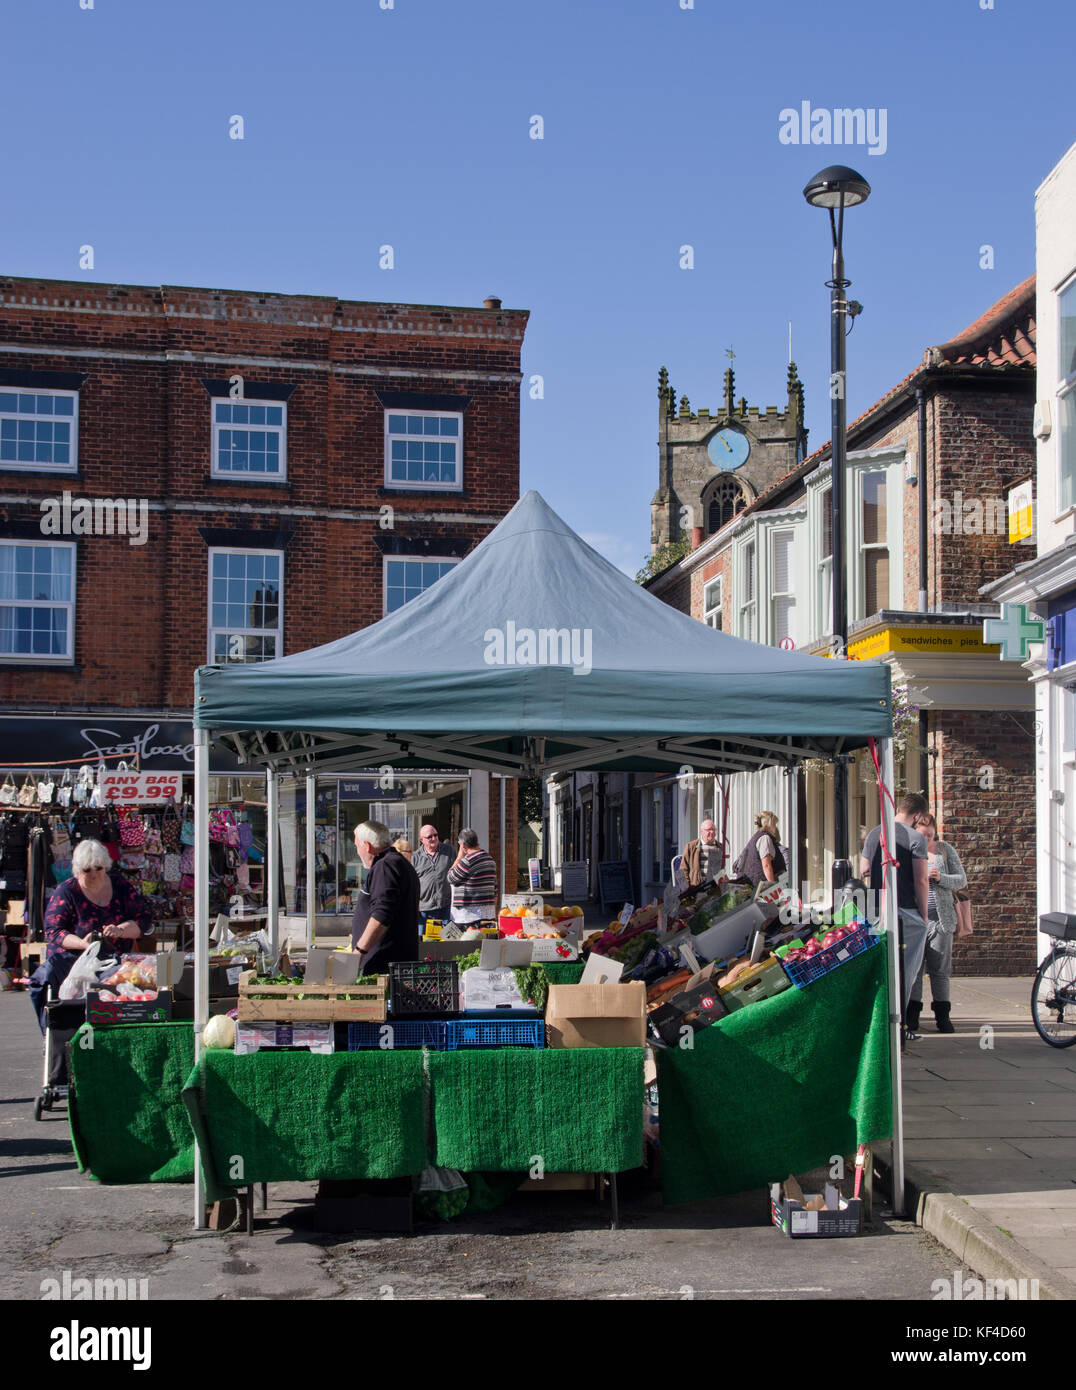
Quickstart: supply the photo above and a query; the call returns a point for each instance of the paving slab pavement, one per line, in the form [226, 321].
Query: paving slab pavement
[990, 1137]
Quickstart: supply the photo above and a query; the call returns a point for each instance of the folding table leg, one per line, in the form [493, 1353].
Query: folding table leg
[265, 1196]
[250, 1210]
[614, 1217]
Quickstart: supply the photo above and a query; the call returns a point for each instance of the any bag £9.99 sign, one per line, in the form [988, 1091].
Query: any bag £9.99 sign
[140, 787]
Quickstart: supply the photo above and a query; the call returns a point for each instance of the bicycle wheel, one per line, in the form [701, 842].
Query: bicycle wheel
[1053, 999]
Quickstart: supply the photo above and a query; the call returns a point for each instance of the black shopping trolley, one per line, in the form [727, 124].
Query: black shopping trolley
[62, 1019]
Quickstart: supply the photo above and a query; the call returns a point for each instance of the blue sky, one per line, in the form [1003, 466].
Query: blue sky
[412, 126]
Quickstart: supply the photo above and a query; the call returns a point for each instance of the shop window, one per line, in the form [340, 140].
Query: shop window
[39, 430]
[405, 579]
[711, 604]
[246, 606]
[37, 601]
[424, 449]
[250, 439]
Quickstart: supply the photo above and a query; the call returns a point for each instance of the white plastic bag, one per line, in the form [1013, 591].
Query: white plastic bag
[83, 974]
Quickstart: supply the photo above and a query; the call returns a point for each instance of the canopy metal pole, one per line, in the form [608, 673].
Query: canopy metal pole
[890, 922]
[794, 827]
[272, 859]
[201, 932]
[311, 860]
[504, 886]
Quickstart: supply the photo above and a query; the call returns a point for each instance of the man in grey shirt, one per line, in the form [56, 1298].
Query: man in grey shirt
[432, 861]
[910, 851]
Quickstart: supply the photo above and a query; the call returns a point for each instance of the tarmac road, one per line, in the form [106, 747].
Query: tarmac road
[539, 1246]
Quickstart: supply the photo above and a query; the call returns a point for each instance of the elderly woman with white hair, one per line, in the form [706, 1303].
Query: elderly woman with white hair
[95, 904]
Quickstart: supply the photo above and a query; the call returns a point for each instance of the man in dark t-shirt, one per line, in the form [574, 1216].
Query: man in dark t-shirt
[910, 851]
[383, 927]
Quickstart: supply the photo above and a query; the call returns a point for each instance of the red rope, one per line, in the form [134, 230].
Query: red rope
[887, 858]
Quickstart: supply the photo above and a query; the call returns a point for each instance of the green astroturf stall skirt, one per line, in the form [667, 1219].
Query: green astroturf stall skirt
[128, 1120]
[295, 1116]
[578, 1109]
[778, 1087]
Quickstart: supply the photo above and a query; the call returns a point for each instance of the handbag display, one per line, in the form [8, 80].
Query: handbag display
[9, 792]
[186, 831]
[80, 792]
[170, 828]
[153, 842]
[45, 790]
[28, 792]
[132, 830]
[172, 871]
[65, 789]
[61, 842]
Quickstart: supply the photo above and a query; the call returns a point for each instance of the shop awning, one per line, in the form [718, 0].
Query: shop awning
[536, 653]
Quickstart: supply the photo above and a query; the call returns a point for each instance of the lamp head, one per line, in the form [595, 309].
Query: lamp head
[837, 186]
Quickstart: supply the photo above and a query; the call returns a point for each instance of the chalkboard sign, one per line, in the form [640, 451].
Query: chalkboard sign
[614, 881]
[574, 881]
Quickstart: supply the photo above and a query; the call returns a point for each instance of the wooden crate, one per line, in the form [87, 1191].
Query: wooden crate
[358, 1003]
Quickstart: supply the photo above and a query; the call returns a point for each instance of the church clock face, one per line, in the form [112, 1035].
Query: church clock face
[728, 449]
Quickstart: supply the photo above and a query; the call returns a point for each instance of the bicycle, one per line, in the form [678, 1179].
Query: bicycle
[1053, 995]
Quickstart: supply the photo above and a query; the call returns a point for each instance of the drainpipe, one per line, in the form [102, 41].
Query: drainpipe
[921, 470]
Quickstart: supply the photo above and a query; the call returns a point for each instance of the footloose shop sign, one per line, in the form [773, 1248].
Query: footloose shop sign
[149, 745]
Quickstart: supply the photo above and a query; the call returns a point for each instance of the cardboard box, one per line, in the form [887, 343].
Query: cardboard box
[699, 996]
[558, 1182]
[491, 989]
[251, 1037]
[223, 981]
[447, 950]
[107, 1013]
[730, 933]
[800, 1214]
[596, 1015]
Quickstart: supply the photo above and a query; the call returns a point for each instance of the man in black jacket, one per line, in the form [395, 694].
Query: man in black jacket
[383, 927]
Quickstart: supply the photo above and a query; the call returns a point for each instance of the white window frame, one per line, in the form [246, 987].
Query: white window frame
[890, 462]
[747, 608]
[817, 622]
[247, 476]
[420, 485]
[248, 631]
[710, 609]
[791, 591]
[757, 613]
[1065, 393]
[32, 658]
[22, 466]
[387, 560]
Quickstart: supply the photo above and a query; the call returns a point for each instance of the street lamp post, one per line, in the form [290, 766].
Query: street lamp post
[835, 189]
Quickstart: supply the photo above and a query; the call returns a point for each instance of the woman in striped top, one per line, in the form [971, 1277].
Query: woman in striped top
[474, 882]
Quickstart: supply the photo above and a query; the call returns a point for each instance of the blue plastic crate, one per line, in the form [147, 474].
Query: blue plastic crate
[495, 1032]
[406, 1032]
[804, 972]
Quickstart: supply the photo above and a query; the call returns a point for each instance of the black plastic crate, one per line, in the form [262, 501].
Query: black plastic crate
[424, 987]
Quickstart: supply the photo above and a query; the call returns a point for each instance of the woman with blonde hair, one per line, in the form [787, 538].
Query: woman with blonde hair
[762, 860]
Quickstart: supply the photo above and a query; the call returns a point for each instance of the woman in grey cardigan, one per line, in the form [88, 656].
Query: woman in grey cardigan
[946, 876]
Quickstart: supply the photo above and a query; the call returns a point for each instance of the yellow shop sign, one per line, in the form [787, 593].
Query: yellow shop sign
[919, 639]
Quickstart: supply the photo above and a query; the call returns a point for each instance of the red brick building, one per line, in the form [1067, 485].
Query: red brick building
[931, 467]
[193, 475]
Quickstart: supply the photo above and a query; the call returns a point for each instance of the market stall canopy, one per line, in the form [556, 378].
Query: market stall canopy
[535, 653]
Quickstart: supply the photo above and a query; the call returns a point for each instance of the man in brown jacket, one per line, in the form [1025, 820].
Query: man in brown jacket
[702, 857]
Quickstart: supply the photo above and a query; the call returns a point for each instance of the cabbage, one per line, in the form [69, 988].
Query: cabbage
[219, 1032]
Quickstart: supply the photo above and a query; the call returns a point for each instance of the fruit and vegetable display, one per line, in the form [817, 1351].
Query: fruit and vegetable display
[138, 972]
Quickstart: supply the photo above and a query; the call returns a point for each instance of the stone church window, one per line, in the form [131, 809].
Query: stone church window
[726, 501]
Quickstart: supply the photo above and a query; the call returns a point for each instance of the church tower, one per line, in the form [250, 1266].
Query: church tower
[710, 466]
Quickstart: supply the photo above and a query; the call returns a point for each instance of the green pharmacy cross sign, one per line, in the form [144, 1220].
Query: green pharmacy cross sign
[1015, 631]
